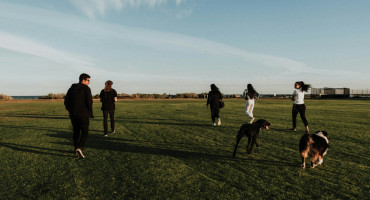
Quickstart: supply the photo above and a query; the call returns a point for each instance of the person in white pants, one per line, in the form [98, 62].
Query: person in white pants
[250, 95]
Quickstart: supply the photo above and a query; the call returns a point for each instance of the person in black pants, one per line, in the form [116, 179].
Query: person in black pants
[299, 106]
[108, 96]
[214, 97]
[78, 101]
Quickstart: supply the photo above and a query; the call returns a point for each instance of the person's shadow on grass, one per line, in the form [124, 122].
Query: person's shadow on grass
[36, 149]
[175, 150]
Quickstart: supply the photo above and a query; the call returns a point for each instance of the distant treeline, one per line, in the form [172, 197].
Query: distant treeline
[147, 96]
[4, 97]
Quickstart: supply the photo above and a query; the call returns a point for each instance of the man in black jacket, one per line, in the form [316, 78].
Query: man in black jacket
[78, 102]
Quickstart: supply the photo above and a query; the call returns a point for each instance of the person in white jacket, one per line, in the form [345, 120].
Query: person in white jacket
[250, 95]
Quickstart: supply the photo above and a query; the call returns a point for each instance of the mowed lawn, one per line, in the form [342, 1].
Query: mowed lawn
[167, 149]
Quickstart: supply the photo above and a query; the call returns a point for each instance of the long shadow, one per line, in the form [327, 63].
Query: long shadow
[167, 123]
[165, 149]
[161, 121]
[36, 116]
[36, 150]
[40, 128]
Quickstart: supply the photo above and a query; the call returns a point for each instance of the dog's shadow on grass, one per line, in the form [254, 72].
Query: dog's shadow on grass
[175, 150]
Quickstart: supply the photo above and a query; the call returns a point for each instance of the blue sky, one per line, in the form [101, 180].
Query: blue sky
[176, 46]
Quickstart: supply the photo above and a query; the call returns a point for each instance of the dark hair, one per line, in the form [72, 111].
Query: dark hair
[108, 85]
[84, 77]
[251, 91]
[303, 86]
[214, 88]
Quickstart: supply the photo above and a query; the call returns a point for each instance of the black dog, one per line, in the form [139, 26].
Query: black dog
[251, 131]
[315, 146]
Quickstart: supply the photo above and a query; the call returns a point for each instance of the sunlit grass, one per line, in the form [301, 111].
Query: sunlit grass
[168, 149]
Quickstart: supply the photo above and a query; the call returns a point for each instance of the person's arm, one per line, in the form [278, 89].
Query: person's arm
[208, 99]
[257, 95]
[89, 100]
[66, 100]
[294, 95]
[100, 96]
[115, 96]
[245, 94]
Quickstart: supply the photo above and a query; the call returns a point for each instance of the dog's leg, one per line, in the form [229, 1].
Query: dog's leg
[250, 145]
[321, 159]
[303, 162]
[313, 160]
[238, 138]
[304, 155]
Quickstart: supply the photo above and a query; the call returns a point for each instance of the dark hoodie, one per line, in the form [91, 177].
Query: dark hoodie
[78, 101]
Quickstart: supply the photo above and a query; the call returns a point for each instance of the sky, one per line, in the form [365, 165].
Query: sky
[178, 46]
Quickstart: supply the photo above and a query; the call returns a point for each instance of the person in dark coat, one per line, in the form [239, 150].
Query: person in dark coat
[78, 102]
[108, 96]
[214, 97]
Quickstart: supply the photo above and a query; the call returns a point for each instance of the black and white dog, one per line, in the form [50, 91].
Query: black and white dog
[251, 131]
[315, 146]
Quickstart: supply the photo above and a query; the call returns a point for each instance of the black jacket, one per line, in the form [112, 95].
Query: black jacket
[213, 98]
[107, 100]
[78, 101]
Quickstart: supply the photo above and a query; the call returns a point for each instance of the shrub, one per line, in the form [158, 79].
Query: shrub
[5, 97]
[53, 96]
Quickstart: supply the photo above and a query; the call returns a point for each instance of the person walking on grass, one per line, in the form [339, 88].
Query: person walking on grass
[78, 102]
[250, 95]
[299, 106]
[107, 97]
[214, 98]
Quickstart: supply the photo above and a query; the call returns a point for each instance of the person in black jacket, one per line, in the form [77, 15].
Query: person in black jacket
[108, 96]
[78, 102]
[214, 97]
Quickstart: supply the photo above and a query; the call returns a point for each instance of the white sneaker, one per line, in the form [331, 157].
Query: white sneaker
[219, 122]
[214, 124]
[251, 121]
[113, 131]
[79, 153]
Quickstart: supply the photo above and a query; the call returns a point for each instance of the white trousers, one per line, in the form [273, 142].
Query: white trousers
[249, 105]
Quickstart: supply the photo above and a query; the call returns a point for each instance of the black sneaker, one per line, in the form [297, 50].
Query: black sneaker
[79, 153]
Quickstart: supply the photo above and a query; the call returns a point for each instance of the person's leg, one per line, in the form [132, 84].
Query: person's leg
[76, 132]
[111, 116]
[213, 116]
[302, 113]
[294, 116]
[84, 131]
[105, 121]
[251, 111]
[217, 115]
[247, 109]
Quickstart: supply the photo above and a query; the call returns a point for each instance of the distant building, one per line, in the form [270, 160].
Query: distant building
[330, 92]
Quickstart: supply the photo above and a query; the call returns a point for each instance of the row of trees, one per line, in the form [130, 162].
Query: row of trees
[133, 96]
[139, 96]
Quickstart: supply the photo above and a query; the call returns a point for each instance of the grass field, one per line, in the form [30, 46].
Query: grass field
[167, 149]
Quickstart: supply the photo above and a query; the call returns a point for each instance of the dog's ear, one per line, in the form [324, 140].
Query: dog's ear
[324, 133]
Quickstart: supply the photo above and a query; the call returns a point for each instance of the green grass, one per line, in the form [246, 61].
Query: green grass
[169, 150]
